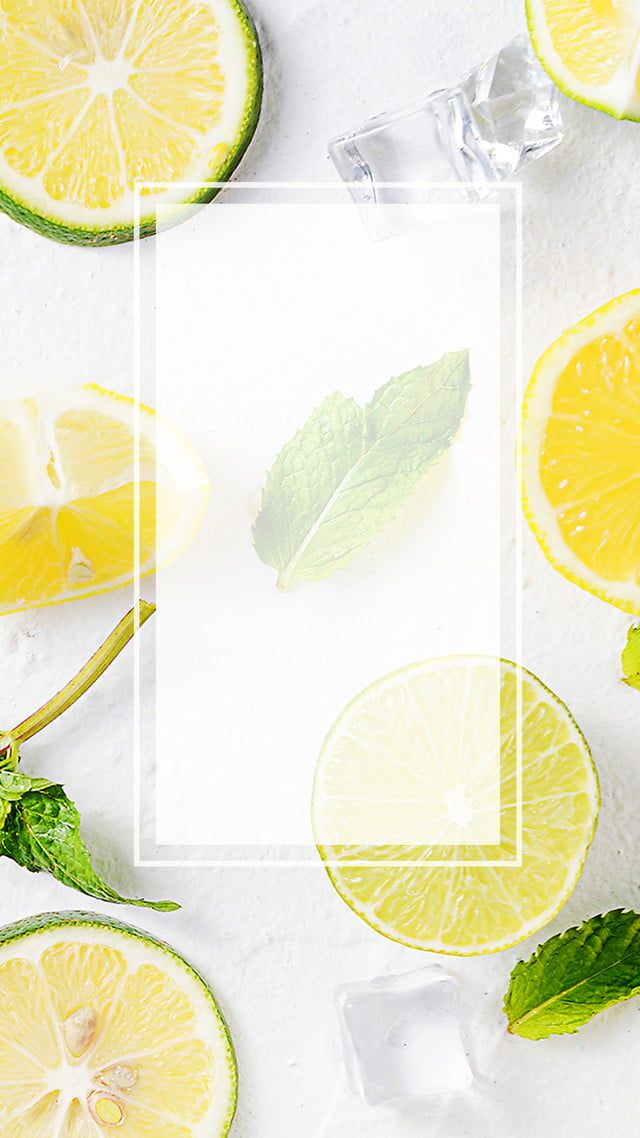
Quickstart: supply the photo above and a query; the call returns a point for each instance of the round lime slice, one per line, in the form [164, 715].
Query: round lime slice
[100, 97]
[454, 804]
[102, 1026]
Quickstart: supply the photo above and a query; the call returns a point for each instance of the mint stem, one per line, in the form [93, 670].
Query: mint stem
[86, 677]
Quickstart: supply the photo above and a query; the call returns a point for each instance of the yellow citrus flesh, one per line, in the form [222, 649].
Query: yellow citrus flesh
[591, 48]
[423, 758]
[83, 507]
[581, 453]
[157, 1062]
[98, 94]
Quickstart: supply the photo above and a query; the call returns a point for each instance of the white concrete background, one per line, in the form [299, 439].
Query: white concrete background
[275, 943]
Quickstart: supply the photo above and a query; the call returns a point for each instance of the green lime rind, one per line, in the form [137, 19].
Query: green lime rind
[561, 83]
[334, 876]
[42, 922]
[98, 236]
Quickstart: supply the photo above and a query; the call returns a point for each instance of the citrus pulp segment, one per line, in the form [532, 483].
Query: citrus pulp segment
[591, 48]
[418, 762]
[83, 506]
[98, 95]
[581, 453]
[102, 1027]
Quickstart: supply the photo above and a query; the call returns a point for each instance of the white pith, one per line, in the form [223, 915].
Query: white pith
[106, 76]
[619, 95]
[74, 1079]
[538, 399]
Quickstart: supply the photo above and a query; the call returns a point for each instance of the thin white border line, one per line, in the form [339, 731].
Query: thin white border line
[137, 660]
[519, 395]
[320, 863]
[332, 186]
[139, 861]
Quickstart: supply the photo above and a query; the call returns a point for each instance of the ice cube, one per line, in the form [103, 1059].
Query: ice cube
[427, 143]
[515, 108]
[401, 1037]
[502, 115]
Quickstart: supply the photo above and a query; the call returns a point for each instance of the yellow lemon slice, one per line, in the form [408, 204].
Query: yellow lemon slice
[454, 804]
[591, 48]
[581, 453]
[104, 1027]
[96, 95]
[83, 508]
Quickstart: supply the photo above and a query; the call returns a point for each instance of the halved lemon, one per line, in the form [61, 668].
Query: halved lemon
[104, 1028]
[96, 95]
[581, 453]
[454, 804]
[591, 48]
[84, 506]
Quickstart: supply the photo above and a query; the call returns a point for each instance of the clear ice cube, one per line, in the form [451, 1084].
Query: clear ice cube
[502, 115]
[515, 108]
[401, 1037]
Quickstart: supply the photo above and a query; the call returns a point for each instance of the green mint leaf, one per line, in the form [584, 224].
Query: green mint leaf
[42, 834]
[347, 472]
[631, 658]
[14, 785]
[574, 976]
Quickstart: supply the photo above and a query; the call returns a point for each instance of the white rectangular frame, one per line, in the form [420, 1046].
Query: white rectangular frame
[150, 854]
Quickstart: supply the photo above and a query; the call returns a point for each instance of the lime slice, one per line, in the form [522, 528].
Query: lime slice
[591, 48]
[96, 95]
[102, 1026]
[76, 493]
[581, 448]
[443, 823]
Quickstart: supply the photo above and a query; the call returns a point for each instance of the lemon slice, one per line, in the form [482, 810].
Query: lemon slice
[591, 48]
[454, 804]
[96, 95]
[103, 1026]
[581, 453]
[71, 509]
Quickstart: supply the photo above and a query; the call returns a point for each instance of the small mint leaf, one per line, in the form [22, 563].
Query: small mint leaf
[346, 473]
[631, 658]
[574, 976]
[42, 834]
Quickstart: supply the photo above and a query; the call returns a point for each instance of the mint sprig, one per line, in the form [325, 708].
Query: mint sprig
[631, 658]
[575, 976]
[345, 474]
[39, 824]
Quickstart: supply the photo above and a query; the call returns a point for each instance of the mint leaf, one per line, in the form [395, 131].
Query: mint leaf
[574, 976]
[347, 472]
[42, 833]
[631, 658]
[14, 785]
[39, 825]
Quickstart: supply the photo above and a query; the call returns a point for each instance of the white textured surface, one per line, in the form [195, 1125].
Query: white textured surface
[276, 943]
